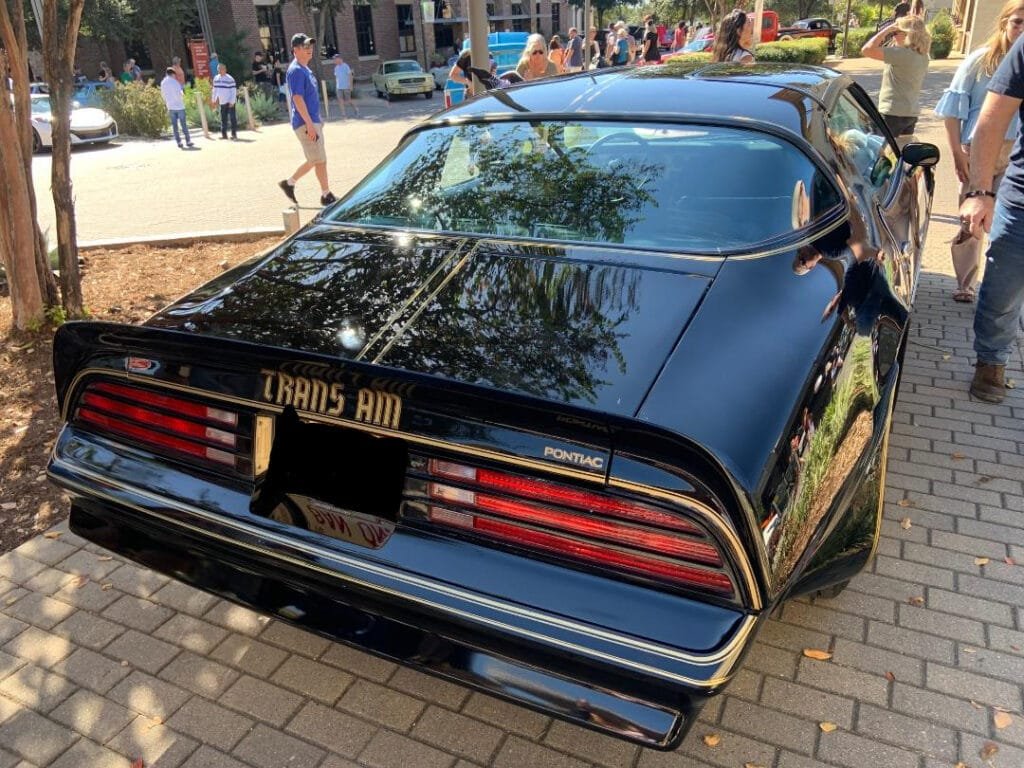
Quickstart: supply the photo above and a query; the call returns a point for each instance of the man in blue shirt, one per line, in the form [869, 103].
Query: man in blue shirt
[1002, 289]
[306, 122]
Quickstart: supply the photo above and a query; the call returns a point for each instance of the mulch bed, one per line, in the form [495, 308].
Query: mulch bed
[124, 285]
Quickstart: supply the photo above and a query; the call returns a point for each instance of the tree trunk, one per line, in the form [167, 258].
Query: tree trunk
[24, 253]
[59, 43]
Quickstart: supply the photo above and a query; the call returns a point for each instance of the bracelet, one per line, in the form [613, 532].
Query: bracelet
[979, 193]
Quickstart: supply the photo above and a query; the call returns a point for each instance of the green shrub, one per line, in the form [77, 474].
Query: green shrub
[809, 51]
[138, 109]
[943, 35]
[858, 37]
[264, 108]
[204, 88]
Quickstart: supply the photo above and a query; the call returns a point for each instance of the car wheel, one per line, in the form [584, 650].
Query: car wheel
[387, 95]
[379, 94]
[37, 143]
[785, 38]
[428, 95]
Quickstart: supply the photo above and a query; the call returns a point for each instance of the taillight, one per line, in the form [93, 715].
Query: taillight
[175, 426]
[586, 526]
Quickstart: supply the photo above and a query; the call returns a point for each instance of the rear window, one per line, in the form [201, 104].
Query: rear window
[661, 186]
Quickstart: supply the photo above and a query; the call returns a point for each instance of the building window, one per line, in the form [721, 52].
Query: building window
[268, 19]
[329, 47]
[536, 18]
[556, 18]
[490, 11]
[406, 29]
[365, 43]
[517, 9]
[519, 25]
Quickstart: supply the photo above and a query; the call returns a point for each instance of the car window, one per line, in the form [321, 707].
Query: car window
[662, 186]
[403, 66]
[861, 144]
[40, 106]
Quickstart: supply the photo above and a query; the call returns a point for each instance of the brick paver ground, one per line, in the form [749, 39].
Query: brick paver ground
[102, 663]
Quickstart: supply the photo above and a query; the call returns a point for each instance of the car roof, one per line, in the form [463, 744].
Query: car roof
[780, 94]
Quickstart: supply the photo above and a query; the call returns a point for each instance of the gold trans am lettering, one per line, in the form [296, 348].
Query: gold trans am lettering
[304, 393]
[315, 395]
[573, 457]
[380, 408]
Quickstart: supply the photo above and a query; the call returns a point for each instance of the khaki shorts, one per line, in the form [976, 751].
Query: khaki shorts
[313, 150]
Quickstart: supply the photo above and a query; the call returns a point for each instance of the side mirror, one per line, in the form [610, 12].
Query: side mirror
[920, 155]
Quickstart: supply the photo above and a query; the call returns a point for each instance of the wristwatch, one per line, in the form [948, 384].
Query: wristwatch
[979, 193]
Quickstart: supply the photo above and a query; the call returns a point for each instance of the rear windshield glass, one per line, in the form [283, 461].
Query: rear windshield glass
[666, 187]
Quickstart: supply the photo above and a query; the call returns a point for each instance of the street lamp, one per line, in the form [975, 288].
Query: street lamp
[426, 12]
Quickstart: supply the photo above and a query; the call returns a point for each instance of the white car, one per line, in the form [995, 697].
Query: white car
[89, 125]
[402, 76]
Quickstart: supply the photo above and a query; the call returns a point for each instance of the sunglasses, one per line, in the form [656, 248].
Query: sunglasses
[1015, 22]
[536, 53]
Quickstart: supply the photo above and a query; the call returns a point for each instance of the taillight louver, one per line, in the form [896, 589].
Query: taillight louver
[166, 424]
[587, 526]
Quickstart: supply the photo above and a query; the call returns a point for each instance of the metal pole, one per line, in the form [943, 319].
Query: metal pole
[478, 39]
[204, 24]
[37, 11]
[846, 29]
[585, 31]
[758, 17]
[423, 39]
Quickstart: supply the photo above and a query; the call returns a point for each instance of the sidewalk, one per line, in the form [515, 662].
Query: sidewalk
[103, 663]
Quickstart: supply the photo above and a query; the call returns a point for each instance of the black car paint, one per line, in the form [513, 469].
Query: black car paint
[669, 432]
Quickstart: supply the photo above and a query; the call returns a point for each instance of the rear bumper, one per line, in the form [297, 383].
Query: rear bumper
[622, 685]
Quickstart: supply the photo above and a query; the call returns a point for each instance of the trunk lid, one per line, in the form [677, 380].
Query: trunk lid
[584, 326]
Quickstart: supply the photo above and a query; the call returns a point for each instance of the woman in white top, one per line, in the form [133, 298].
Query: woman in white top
[733, 39]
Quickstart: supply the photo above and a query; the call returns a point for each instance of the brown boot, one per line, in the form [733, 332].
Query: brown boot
[989, 382]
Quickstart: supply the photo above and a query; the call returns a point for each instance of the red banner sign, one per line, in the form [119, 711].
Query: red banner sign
[200, 57]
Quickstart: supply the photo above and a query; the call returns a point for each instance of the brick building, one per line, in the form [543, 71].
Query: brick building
[367, 34]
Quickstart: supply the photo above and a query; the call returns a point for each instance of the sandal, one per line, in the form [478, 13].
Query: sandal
[964, 295]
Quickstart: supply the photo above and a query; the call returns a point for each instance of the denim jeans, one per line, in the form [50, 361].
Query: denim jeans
[228, 115]
[178, 115]
[1002, 288]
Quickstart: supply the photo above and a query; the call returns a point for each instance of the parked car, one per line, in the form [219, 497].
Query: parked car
[88, 124]
[402, 77]
[88, 93]
[810, 28]
[568, 453]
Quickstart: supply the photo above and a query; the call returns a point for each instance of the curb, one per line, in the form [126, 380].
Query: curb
[227, 235]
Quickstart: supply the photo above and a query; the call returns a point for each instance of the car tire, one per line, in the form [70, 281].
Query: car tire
[428, 95]
[387, 95]
[37, 143]
[785, 38]
[379, 94]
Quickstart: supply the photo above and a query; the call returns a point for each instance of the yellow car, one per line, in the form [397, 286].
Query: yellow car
[401, 77]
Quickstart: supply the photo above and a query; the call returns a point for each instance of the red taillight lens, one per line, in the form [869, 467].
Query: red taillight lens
[587, 526]
[166, 423]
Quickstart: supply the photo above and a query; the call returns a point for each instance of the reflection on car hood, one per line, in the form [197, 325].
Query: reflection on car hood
[522, 318]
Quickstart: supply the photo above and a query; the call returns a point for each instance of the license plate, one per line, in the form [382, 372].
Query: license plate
[329, 520]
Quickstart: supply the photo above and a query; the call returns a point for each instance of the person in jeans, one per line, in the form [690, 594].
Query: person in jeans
[174, 97]
[960, 107]
[1002, 288]
[306, 122]
[225, 93]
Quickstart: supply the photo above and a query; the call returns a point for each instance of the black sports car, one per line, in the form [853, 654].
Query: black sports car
[559, 402]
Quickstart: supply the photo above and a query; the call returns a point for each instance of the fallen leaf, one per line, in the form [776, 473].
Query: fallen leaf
[958, 456]
[51, 535]
[960, 765]
[976, 705]
[137, 763]
[906, 503]
[981, 561]
[106, 585]
[916, 600]
[712, 739]
[890, 677]
[80, 581]
[124, 662]
[1015, 648]
[11, 600]
[827, 727]
[945, 357]
[969, 650]
[1002, 720]
[8, 505]
[814, 653]
[1009, 561]
[982, 479]
[905, 524]
[987, 750]
[104, 558]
